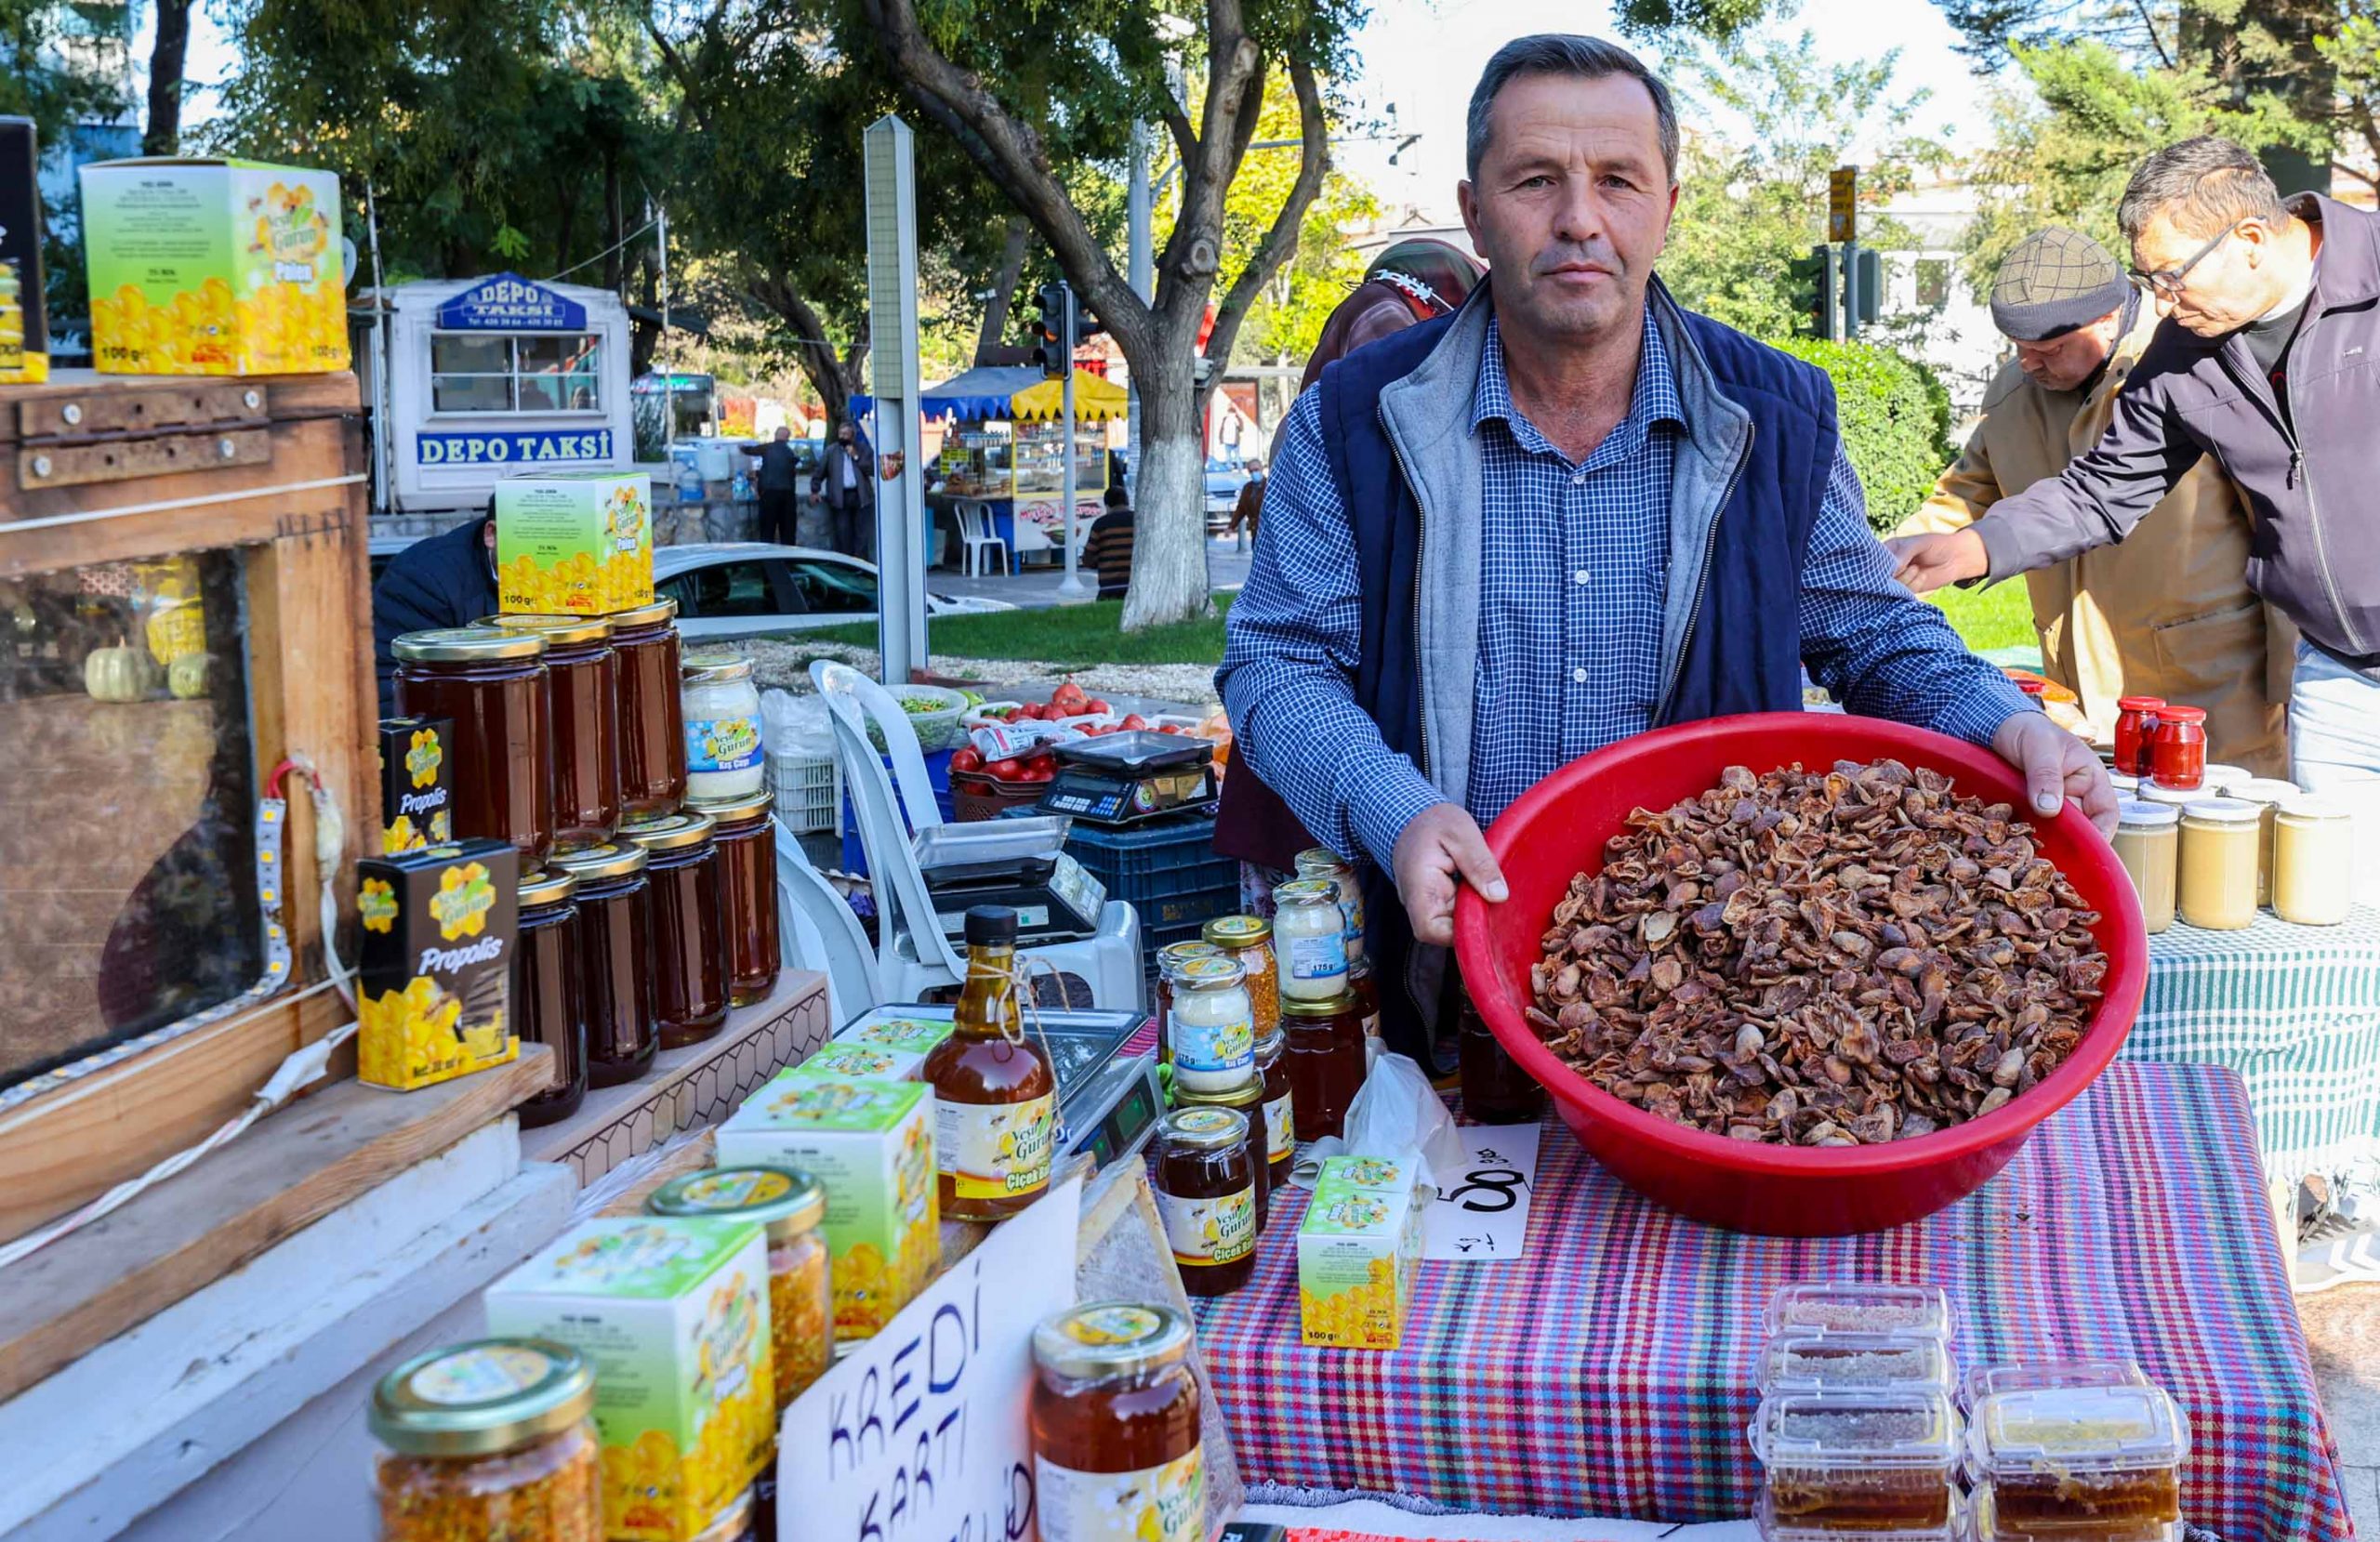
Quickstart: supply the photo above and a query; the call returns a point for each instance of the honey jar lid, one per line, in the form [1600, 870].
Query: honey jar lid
[1320, 859]
[550, 888]
[1209, 1126]
[2151, 791]
[2259, 789]
[486, 1396]
[2222, 811]
[1171, 957]
[1219, 973]
[2309, 807]
[2140, 815]
[1306, 891]
[734, 810]
[1111, 1338]
[1235, 931]
[466, 645]
[553, 629]
[669, 832]
[660, 612]
[1248, 1094]
[606, 860]
[786, 1200]
[1329, 1006]
[713, 666]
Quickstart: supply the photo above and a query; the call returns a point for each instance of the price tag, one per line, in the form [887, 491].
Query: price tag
[1482, 1213]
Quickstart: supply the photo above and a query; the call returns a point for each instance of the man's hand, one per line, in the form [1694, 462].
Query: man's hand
[2056, 766]
[1441, 845]
[1927, 562]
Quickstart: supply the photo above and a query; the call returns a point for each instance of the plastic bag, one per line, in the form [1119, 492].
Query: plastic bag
[796, 725]
[1397, 1113]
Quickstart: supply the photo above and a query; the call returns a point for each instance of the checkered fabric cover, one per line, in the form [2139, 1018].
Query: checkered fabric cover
[1609, 1371]
[2296, 1011]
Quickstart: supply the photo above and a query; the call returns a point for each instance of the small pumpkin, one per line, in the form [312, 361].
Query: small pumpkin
[119, 675]
[186, 676]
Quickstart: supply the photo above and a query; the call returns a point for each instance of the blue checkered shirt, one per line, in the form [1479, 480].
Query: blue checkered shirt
[1574, 561]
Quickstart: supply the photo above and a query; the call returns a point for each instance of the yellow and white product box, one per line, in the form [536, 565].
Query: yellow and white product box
[1357, 1246]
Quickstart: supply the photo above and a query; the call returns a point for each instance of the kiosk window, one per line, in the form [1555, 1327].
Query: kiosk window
[542, 372]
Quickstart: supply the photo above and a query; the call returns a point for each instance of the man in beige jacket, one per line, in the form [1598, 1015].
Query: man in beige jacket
[2169, 612]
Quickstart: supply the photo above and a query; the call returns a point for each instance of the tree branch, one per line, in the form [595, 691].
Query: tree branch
[812, 349]
[1281, 241]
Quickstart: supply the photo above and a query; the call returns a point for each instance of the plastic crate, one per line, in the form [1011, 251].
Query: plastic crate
[1167, 871]
[809, 790]
[975, 795]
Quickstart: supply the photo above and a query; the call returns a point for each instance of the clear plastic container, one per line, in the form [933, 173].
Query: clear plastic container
[1861, 1306]
[1988, 1527]
[1776, 1528]
[1986, 1381]
[1811, 1361]
[2060, 1457]
[1872, 1462]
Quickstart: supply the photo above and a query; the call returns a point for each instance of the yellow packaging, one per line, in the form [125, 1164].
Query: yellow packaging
[24, 327]
[1357, 1247]
[573, 543]
[213, 267]
[434, 971]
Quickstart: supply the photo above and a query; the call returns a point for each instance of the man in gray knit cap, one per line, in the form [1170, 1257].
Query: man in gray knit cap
[2166, 614]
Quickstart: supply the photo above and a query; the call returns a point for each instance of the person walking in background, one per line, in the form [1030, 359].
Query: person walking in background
[778, 481]
[845, 482]
[2167, 613]
[1251, 504]
[1107, 549]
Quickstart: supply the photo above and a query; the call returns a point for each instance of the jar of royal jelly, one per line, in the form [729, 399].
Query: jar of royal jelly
[652, 724]
[1206, 1196]
[747, 837]
[1311, 931]
[1170, 959]
[615, 940]
[688, 926]
[1321, 863]
[548, 1003]
[1114, 1415]
[1211, 1027]
[492, 685]
[586, 689]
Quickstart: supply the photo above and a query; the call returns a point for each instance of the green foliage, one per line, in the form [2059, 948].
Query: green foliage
[1895, 416]
[1989, 620]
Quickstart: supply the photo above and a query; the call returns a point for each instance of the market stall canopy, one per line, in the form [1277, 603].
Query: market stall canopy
[1010, 392]
[1096, 400]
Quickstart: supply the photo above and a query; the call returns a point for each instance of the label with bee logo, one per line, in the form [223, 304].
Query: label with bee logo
[417, 790]
[434, 972]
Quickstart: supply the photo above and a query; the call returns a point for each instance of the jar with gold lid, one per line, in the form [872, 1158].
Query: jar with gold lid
[1114, 1416]
[788, 1205]
[652, 724]
[492, 1438]
[2218, 863]
[493, 686]
[1250, 940]
[549, 1002]
[746, 834]
[2313, 879]
[1327, 1056]
[688, 926]
[1247, 1100]
[585, 681]
[614, 901]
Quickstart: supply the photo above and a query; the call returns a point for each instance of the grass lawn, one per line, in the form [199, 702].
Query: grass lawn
[2001, 616]
[1071, 635]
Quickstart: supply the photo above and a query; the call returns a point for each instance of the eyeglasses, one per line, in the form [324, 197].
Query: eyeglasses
[2168, 282]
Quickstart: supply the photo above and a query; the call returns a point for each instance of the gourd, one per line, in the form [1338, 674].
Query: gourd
[118, 675]
[186, 676]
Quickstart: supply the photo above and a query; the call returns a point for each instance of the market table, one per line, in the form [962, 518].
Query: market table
[2296, 1011]
[1609, 1372]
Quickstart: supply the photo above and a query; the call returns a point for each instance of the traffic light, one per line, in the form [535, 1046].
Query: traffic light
[1814, 277]
[1054, 330]
[1870, 264]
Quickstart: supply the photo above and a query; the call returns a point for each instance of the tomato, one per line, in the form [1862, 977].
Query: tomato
[966, 758]
[1005, 771]
[1042, 768]
[1133, 723]
[1095, 705]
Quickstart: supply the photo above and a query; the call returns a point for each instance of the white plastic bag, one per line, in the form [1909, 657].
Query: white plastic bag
[1395, 1114]
[796, 725]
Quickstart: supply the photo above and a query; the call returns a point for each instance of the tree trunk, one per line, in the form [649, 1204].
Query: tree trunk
[1169, 515]
[163, 136]
[995, 310]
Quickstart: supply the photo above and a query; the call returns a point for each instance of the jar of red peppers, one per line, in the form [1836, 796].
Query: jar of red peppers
[494, 687]
[2137, 732]
[2179, 758]
[746, 837]
[689, 956]
[586, 689]
[653, 719]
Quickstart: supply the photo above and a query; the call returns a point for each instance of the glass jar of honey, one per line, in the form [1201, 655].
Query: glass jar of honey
[1113, 1414]
[1247, 1101]
[2219, 877]
[2137, 732]
[2313, 876]
[1206, 1196]
[1250, 940]
[790, 1204]
[1495, 1089]
[495, 687]
[2179, 758]
[1364, 987]
[747, 837]
[548, 1005]
[1280, 1109]
[2148, 841]
[585, 679]
[2267, 793]
[615, 941]
[1325, 1049]
[688, 926]
[653, 722]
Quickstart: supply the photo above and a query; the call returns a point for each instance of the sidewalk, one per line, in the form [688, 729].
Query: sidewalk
[1035, 587]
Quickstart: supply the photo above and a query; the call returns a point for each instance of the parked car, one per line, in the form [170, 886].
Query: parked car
[751, 588]
[1224, 479]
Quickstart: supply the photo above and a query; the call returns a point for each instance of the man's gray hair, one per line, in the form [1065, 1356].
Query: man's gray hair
[2203, 185]
[1565, 54]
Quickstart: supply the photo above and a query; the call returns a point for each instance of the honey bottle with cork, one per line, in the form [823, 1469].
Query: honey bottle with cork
[995, 1094]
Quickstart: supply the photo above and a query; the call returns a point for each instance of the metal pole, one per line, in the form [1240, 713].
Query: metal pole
[1850, 291]
[384, 452]
[1071, 588]
[892, 216]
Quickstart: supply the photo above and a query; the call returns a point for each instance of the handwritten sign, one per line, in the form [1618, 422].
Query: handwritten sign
[920, 1434]
[1482, 1215]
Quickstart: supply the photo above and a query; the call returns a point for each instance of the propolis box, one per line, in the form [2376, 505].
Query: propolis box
[203, 267]
[434, 971]
[1356, 1250]
[869, 1140]
[902, 1037]
[573, 543]
[24, 332]
[672, 1313]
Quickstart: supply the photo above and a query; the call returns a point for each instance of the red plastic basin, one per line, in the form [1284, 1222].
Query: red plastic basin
[1559, 829]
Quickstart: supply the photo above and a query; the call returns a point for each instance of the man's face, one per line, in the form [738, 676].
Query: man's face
[2224, 290]
[1571, 204]
[784, 433]
[2063, 363]
[843, 434]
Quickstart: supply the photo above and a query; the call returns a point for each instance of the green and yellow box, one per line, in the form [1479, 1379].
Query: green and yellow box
[672, 1313]
[24, 328]
[214, 267]
[434, 971]
[869, 1140]
[1357, 1247]
[573, 543]
[900, 1034]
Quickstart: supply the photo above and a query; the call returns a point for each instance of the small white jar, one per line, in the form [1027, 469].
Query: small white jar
[724, 758]
[1320, 861]
[1310, 934]
[1211, 1029]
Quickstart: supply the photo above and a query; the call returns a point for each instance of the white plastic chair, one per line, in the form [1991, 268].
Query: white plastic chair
[832, 679]
[913, 956]
[975, 532]
[821, 933]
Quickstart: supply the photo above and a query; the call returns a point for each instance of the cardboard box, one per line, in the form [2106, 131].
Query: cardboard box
[573, 543]
[25, 326]
[870, 1141]
[434, 972]
[417, 786]
[899, 1031]
[202, 267]
[672, 1313]
[1356, 1250]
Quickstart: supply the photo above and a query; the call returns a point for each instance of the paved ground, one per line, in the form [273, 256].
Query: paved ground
[2342, 1329]
[1036, 587]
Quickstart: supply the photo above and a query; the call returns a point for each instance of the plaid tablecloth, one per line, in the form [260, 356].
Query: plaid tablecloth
[1609, 1371]
[2295, 1010]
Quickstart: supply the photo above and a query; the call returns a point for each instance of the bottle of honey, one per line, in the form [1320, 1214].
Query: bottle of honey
[995, 1094]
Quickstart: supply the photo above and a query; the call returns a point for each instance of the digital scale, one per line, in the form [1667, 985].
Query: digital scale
[1108, 1102]
[1125, 778]
[1020, 863]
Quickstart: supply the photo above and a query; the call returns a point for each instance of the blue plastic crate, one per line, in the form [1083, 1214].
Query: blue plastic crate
[1167, 871]
[937, 774]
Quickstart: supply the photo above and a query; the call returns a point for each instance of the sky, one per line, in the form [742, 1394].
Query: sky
[1422, 57]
